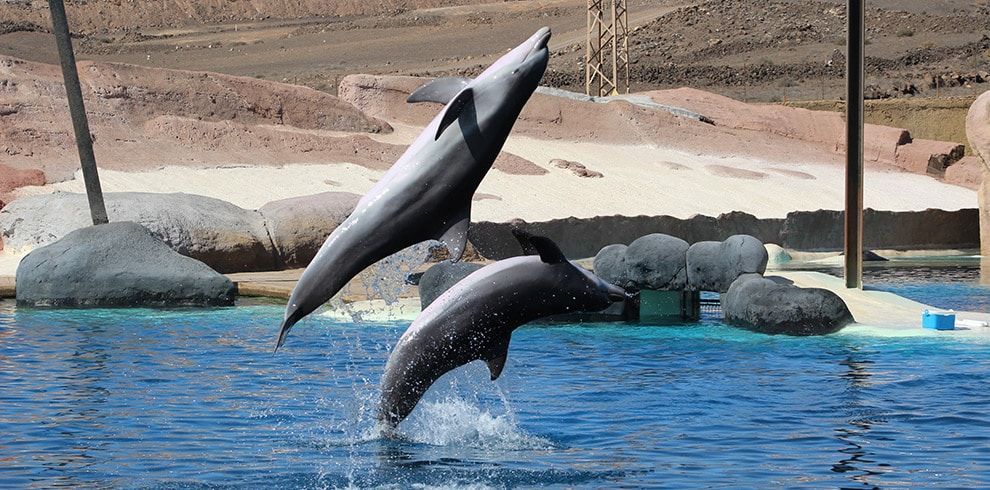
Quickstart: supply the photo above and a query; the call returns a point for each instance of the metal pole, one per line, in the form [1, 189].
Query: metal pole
[854, 145]
[625, 43]
[587, 51]
[615, 49]
[84, 142]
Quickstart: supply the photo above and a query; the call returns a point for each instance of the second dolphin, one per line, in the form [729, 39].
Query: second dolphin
[474, 320]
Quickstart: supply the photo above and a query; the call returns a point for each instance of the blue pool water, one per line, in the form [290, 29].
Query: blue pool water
[195, 399]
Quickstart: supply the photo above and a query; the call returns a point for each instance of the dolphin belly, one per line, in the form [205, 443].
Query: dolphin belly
[366, 237]
[413, 367]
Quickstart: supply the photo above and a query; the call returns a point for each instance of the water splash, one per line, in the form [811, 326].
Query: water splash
[450, 422]
[454, 421]
[385, 280]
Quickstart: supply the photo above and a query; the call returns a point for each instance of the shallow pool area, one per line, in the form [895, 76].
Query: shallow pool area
[956, 283]
[195, 399]
[951, 287]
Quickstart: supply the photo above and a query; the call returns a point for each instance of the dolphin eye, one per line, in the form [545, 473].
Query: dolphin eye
[515, 71]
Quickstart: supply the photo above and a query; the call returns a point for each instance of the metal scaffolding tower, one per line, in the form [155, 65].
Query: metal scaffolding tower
[606, 54]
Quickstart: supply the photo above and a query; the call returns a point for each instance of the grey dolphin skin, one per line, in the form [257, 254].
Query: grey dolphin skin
[427, 192]
[474, 320]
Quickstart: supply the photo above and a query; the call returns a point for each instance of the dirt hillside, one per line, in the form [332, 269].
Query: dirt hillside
[773, 50]
[105, 16]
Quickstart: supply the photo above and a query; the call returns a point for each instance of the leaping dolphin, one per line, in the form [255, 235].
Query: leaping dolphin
[474, 320]
[427, 192]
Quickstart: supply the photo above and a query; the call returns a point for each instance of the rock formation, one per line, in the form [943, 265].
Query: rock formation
[978, 131]
[143, 118]
[576, 168]
[117, 264]
[769, 307]
[225, 237]
[932, 229]
[12, 178]
[768, 132]
[713, 266]
[441, 277]
[733, 267]
[299, 226]
[655, 261]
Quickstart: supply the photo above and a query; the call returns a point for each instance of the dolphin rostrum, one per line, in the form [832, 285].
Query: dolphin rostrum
[474, 320]
[426, 195]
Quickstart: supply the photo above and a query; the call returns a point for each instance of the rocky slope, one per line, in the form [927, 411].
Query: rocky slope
[141, 116]
[95, 16]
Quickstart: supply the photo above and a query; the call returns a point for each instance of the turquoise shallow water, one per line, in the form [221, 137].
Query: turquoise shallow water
[195, 399]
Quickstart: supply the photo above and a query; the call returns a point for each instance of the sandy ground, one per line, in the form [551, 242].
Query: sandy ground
[638, 180]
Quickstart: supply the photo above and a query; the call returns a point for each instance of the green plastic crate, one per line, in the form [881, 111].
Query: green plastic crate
[669, 306]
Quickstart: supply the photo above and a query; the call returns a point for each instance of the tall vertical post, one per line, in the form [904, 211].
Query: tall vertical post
[854, 144]
[77, 111]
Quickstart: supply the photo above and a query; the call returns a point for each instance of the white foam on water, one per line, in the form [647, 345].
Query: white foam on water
[457, 422]
[452, 486]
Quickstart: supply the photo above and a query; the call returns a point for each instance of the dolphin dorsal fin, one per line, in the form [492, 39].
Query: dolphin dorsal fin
[545, 247]
[454, 109]
[442, 90]
[497, 356]
[523, 238]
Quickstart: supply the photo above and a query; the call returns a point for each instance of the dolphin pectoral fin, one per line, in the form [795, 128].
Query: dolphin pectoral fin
[496, 359]
[495, 365]
[441, 90]
[454, 109]
[548, 250]
[455, 238]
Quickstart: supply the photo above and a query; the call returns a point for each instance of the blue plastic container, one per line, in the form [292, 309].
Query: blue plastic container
[938, 321]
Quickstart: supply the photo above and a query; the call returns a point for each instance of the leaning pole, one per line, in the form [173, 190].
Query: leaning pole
[854, 145]
[84, 142]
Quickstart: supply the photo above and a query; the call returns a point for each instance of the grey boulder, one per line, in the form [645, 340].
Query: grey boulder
[610, 265]
[117, 264]
[762, 305]
[441, 277]
[298, 226]
[655, 261]
[224, 236]
[714, 266]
